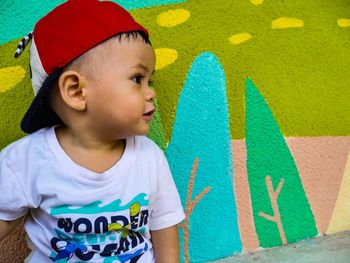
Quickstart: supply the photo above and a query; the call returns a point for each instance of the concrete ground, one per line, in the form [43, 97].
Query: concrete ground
[326, 249]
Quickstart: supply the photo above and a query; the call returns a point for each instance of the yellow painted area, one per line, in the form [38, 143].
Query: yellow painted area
[173, 18]
[256, 2]
[10, 77]
[287, 22]
[340, 220]
[240, 38]
[165, 57]
[342, 22]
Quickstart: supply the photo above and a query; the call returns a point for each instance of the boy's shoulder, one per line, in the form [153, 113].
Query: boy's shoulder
[21, 147]
[148, 150]
[147, 144]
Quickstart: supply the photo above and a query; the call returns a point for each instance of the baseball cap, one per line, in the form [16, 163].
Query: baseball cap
[60, 37]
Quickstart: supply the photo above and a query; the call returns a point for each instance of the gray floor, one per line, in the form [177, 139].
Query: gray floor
[326, 249]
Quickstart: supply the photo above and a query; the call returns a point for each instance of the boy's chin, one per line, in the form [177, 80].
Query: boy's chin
[143, 131]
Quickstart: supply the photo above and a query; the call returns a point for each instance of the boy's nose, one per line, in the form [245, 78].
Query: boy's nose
[150, 95]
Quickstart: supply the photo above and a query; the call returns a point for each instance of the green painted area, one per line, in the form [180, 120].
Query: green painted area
[269, 155]
[15, 101]
[302, 73]
[156, 130]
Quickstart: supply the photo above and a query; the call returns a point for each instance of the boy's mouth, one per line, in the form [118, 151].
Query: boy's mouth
[148, 115]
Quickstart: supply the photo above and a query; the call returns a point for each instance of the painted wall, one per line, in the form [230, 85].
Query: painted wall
[253, 114]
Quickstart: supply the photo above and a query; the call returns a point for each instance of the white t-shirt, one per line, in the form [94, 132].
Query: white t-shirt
[76, 215]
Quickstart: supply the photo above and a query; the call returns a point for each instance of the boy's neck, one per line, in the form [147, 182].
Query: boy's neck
[89, 151]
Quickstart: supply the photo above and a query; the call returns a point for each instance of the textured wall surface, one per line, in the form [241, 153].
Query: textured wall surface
[253, 115]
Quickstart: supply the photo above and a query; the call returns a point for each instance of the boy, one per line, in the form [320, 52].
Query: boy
[92, 189]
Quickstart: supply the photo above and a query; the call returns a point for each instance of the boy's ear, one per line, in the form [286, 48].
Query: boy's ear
[72, 86]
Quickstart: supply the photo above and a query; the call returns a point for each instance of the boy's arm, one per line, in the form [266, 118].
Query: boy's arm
[166, 245]
[7, 226]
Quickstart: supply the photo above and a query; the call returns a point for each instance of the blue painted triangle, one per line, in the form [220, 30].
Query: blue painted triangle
[201, 130]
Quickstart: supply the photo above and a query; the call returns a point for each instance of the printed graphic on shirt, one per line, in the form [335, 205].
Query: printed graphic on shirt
[101, 233]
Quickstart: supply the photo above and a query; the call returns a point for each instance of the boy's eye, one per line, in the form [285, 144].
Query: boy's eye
[137, 79]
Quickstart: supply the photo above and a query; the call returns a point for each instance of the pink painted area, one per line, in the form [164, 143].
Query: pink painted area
[248, 234]
[321, 163]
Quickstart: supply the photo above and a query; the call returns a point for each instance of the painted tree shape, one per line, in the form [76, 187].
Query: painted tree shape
[201, 130]
[268, 154]
[190, 205]
[276, 217]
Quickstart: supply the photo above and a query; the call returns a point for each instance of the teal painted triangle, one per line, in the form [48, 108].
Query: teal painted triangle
[268, 154]
[201, 130]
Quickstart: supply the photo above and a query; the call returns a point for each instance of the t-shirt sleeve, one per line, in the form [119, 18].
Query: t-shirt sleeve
[166, 209]
[13, 202]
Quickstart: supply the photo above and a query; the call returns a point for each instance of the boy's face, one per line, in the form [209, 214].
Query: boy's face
[120, 100]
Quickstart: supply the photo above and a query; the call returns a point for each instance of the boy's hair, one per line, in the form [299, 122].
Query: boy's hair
[61, 37]
[87, 57]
